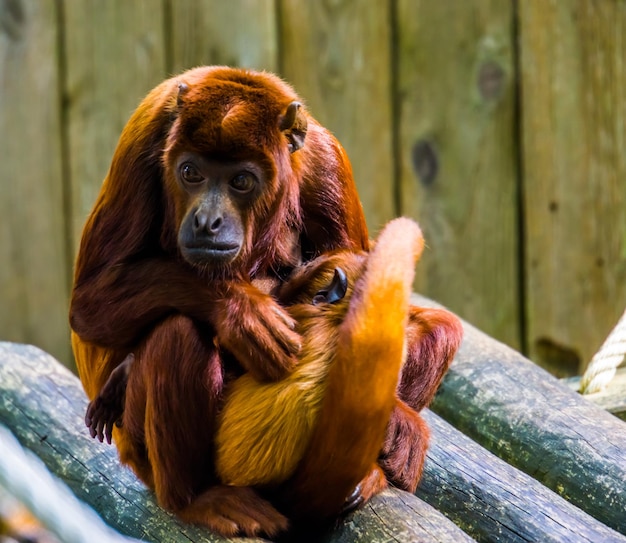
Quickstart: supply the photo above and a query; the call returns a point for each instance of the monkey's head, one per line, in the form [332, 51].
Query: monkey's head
[230, 165]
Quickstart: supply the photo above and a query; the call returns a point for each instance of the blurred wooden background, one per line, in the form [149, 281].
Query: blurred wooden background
[499, 125]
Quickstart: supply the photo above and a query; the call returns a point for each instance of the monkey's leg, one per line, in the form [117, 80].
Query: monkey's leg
[433, 337]
[172, 400]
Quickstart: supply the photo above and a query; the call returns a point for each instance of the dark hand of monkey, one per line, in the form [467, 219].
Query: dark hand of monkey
[107, 408]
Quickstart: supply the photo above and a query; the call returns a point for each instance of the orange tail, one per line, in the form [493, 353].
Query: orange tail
[362, 380]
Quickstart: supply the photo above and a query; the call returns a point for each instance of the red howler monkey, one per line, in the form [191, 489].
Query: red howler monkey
[218, 178]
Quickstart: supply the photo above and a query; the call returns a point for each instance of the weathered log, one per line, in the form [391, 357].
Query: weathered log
[493, 501]
[532, 421]
[43, 404]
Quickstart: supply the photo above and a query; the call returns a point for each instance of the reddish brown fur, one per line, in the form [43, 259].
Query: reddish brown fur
[134, 293]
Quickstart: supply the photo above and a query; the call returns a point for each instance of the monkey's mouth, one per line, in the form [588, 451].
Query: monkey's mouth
[210, 253]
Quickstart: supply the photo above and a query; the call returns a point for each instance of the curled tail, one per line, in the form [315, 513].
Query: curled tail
[362, 380]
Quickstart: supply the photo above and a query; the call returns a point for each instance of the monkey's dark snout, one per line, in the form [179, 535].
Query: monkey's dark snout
[207, 223]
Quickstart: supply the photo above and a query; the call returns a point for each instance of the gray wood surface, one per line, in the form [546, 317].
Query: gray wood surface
[536, 423]
[236, 33]
[493, 501]
[573, 84]
[458, 156]
[337, 55]
[115, 53]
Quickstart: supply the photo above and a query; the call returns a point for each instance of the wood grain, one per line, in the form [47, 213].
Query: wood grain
[34, 269]
[115, 53]
[458, 162]
[573, 82]
[337, 54]
[493, 501]
[235, 33]
[534, 422]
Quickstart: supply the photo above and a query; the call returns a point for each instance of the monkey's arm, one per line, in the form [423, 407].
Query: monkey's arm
[116, 306]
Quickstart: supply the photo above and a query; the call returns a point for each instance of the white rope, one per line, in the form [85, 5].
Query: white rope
[26, 478]
[602, 367]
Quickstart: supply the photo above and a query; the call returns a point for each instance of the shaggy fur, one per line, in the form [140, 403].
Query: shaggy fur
[134, 292]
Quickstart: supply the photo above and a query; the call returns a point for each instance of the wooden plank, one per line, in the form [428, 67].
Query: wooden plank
[573, 80]
[43, 405]
[34, 286]
[235, 33]
[115, 53]
[458, 171]
[338, 56]
[493, 501]
[532, 421]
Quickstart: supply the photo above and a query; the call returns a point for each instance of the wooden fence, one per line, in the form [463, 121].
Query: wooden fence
[499, 125]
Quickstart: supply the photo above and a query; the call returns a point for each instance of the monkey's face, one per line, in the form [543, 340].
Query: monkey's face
[216, 208]
[228, 173]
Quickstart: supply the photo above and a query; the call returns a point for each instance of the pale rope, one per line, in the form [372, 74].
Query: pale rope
[27, 479]
[602, 367]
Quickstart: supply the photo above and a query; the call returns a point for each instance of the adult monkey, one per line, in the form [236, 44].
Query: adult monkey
[218, 176]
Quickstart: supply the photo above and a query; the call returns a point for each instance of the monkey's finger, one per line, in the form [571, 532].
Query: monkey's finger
[89, 413]
[354, 500]
[100, 430]
[284, 316]
[92, 431]
[288, 340]
[108, 432]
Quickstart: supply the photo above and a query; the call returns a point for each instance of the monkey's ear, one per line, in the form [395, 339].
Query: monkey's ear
[333, 292]
[182, 90]
[293, 123]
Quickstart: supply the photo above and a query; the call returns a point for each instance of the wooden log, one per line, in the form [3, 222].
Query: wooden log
[493, 501]
[486, 497]
[43, 404]
[532, 421]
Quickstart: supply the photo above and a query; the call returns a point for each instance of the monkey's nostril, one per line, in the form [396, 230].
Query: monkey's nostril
[199, 221]
[216, 225]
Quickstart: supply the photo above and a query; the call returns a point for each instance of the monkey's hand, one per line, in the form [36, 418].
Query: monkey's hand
[107, 408]
[257, 331]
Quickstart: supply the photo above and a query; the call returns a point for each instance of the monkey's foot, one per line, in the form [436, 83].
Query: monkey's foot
[404, 449]
[233, 510]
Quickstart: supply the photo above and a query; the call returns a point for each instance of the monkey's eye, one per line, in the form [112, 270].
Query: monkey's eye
[243, 182]
[190, 173]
